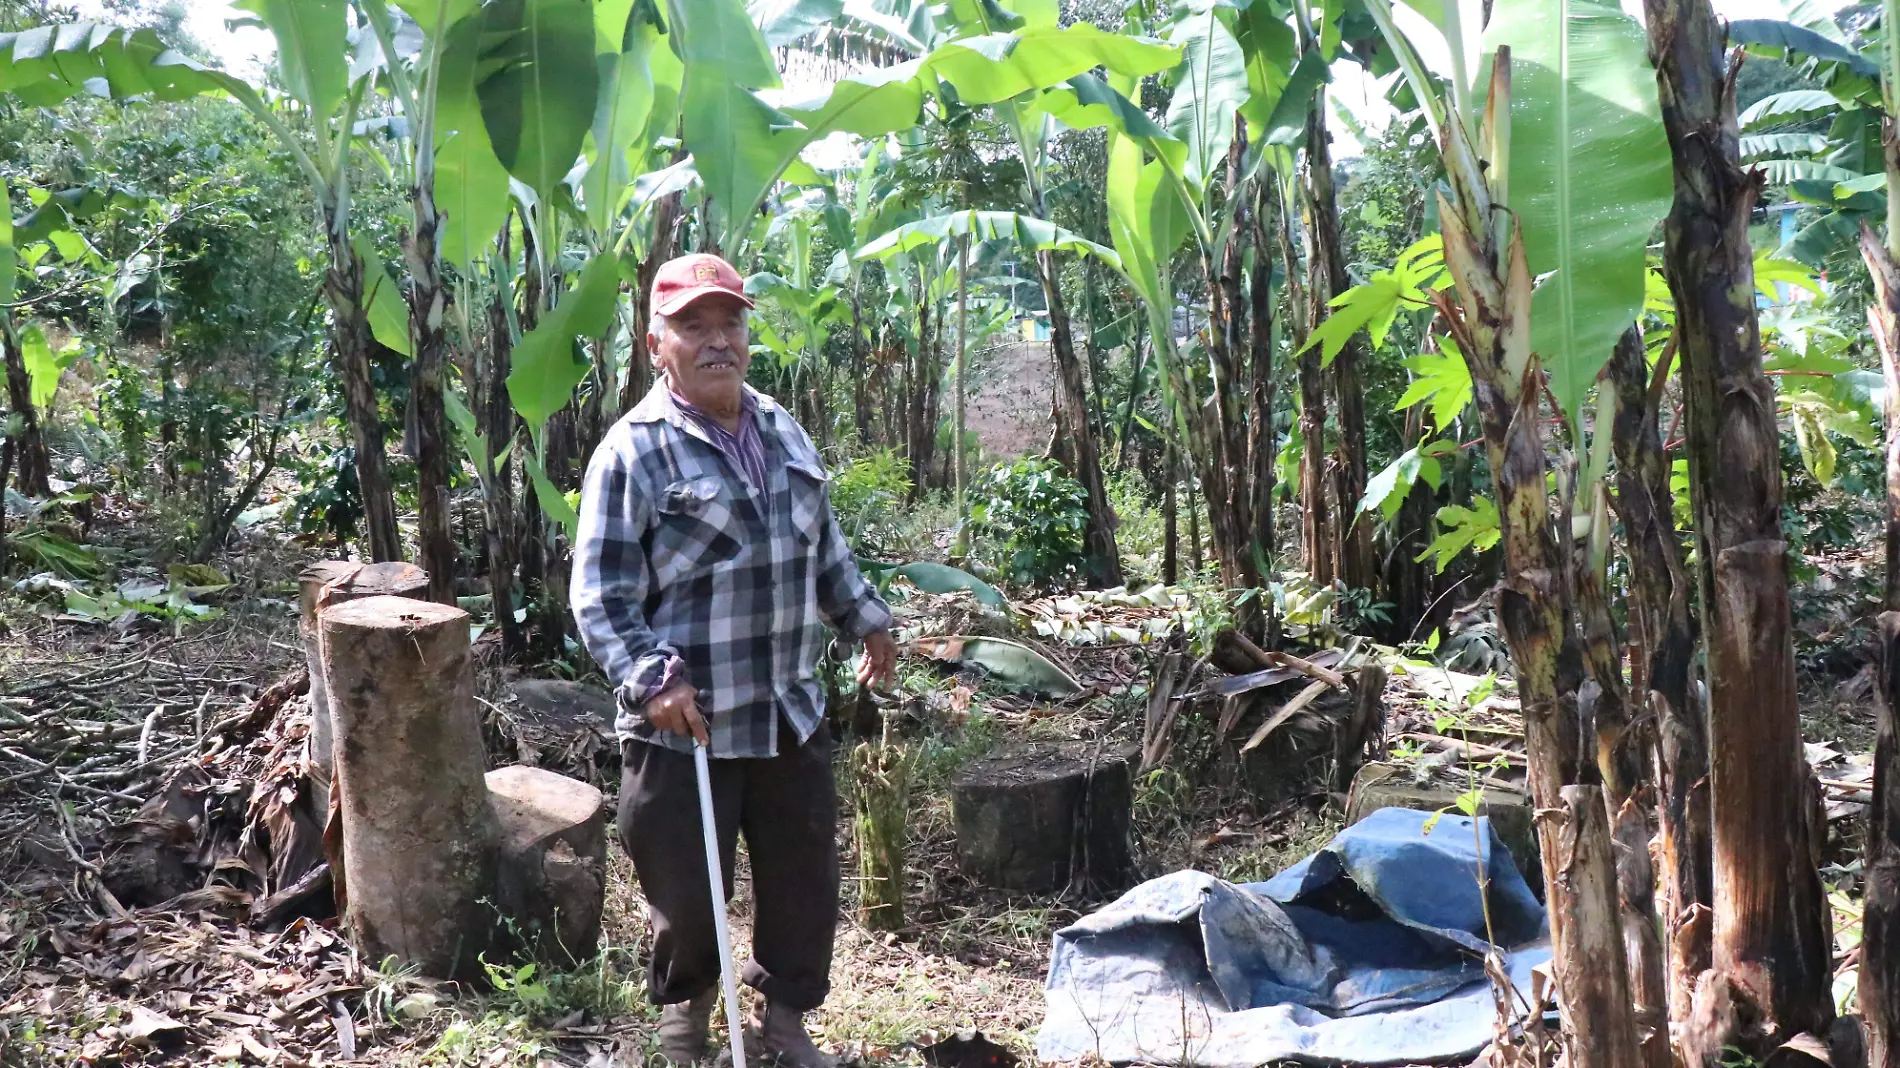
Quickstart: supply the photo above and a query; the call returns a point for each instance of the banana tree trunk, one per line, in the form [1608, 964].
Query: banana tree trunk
[428, 313]
[1072, 405]
[497, 417]
[1880, 917]
[1663, 653]
[1351, 540]
[1880, 922]
[351, 341]
[1771, 945]
[1260, 440]
[639, 379]
[29, 446]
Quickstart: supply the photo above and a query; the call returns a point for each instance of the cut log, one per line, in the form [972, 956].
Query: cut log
[419, 834]
[331, 582]
[1390, 786]
[551, 879]
[1045, 816]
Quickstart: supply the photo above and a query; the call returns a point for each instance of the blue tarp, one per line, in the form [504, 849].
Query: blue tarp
[1370, 951]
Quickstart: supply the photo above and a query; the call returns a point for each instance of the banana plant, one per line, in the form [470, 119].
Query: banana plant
[1578, 70]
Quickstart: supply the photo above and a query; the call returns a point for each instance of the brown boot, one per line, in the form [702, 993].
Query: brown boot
[782, 1032]
[683, 1028]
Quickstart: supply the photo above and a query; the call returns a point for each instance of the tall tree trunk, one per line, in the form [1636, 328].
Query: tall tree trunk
[428, 315]
[1260, 438]
[352, 345]
[860, 363]
[1327, 278]
[1771, 942]
[1880, 917]
[1316, 521]
[35, 467]
[963, 356]
[1223, 456]
[1104, 563]
[666, 220]
[1170, 516]
[1408, 578]
[489, 385]
[1663, 653]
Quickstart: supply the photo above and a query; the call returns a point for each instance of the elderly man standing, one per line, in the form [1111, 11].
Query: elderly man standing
[706, 562]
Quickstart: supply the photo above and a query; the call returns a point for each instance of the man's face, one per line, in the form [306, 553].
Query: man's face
[706, 350]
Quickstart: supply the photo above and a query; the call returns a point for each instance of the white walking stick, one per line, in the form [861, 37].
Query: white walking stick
[734, 1022]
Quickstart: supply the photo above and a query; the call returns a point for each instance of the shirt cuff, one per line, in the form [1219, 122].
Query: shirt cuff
[867, 615]
[651, 676]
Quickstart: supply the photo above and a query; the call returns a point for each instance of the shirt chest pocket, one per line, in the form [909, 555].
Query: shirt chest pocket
[808, 486]
[698, 530]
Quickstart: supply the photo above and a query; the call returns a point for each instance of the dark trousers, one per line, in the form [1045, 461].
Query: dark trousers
[787, 806]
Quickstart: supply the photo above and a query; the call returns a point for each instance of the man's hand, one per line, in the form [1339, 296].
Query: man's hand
[676, 709]
[878, 666]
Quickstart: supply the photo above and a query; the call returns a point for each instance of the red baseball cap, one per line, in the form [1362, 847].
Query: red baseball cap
[685, 279]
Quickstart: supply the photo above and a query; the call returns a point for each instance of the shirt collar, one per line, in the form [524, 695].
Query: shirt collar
[661, 406]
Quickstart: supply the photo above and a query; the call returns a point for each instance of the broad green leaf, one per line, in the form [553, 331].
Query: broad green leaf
[1846, 73]
[1590, 176]
[1271, 52]
[1287, 121]
[424, 11]
[60, 210]
[997, 66]
[1146, 223]
[1806, 411]
[312, 49]
[1854, 140]
[740, 145]
[783, 22]
[388, 313]
[553, 502]
[1009, 662]
[620, 115]
[718, 35]
[47, 64]
[537, 84]
[1375, 305]
[1085, 102]
[876, 102]
[1210, 86]
[1787, 171]
[546, 368]
[471, 185]
[1443, 380]
[44, 366]
[1770, 270]
[939, 578]
[1772, 145]
[1475, 528]
[1783, 109]
[1387, 490]
[1823, 239]
[9, 256]
[1027, 232]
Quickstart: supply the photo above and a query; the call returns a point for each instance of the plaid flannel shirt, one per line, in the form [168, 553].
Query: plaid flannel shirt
[678, 556]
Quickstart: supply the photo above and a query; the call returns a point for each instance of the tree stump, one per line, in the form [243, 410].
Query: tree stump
[345, 581]
[1046, 815]
[419, 834]
[551, 880]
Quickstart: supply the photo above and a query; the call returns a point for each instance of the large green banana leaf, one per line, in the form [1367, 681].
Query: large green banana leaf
[1783, 109]
[783, 22]
[388, 315]
[998, 66]
[312, 48]
[871, 104]
[1589, 175]
[620, 115]
[9, 256]
[1026, 231]
[425, 11]
[1146, 222]
[537, 84]
[1210, 87]
[47, 64]
[545, 369]
[471, 185]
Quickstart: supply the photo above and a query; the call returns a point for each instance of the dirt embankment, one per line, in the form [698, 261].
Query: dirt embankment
[1011, 387]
